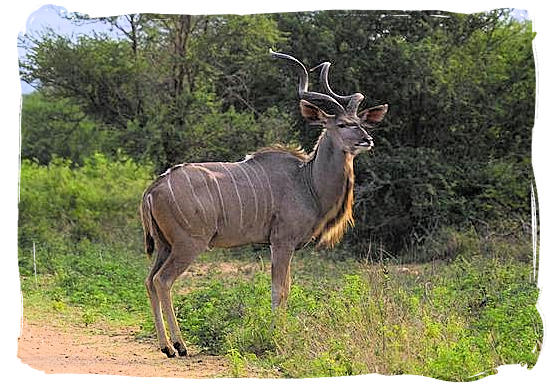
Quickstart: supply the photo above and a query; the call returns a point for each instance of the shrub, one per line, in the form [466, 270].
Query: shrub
[228, 315]
[96, 282]
[406, 196]
[98, 201]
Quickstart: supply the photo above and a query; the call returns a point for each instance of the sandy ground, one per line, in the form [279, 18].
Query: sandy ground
[56, 349]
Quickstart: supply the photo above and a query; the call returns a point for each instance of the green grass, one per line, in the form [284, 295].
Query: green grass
[87, 284]
[448, 320]
[452, 323]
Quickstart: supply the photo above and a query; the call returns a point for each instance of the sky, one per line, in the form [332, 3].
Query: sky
[55, 18]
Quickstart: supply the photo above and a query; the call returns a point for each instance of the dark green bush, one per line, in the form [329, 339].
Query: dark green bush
[403, 196]
[406, 196]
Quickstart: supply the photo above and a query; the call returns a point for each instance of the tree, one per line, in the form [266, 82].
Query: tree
[58, 127]
[147, 85]
[454, 151]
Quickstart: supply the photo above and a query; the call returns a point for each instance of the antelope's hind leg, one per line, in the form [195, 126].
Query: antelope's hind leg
[161, 257]
[178, 261]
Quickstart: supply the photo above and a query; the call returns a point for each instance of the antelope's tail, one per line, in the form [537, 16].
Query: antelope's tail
[147, 221]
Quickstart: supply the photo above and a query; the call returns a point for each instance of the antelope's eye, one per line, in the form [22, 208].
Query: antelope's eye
[341, 125]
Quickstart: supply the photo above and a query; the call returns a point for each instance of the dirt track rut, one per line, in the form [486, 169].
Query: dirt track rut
[55, 349]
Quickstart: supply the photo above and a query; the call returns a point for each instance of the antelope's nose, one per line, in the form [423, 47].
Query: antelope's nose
[367, 143]
[366, 140]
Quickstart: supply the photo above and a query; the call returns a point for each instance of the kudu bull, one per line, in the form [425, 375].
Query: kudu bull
[275, 196]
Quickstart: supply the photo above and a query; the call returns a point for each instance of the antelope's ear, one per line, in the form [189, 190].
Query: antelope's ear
[312, 113]
[373, 114]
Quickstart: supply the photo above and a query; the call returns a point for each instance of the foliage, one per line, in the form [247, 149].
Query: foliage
[386, 319]
[451, 323]
[93, 71]
[79, 231]
[416, 192]
[148, 87]
[60, 203]
[454, 149]
[471, 316]
[57, 128]
[88, 282]
[219, 320]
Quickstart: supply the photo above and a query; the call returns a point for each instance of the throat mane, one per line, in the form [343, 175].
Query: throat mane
[339, 217]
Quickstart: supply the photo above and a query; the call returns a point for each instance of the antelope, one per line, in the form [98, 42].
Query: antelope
[277, 196]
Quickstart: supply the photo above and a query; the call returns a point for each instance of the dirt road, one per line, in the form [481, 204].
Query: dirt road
[56, 349]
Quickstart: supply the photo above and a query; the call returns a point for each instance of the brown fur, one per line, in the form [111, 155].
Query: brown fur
[296, 151]
[332, 227]
[334, 224]
[280, 195]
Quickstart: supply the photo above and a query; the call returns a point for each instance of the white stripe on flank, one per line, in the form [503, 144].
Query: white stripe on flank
[260, 182]
[195, 195]
[268, 183]
[221, 199]
[253, 192]
[238, 195]
[209, 192]
[149, 199]
[174, 198]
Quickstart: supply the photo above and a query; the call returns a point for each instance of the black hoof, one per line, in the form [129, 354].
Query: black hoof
[168, 353]
[182, 350]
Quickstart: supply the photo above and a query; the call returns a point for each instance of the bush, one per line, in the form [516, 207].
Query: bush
[406, 197]
[62, 204]
[90, 282]
[402, 197]
[225, 316]
[53, 127]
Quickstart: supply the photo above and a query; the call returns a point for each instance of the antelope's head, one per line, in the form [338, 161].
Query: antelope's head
[336, 113]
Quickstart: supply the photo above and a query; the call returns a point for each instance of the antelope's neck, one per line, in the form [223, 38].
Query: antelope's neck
[331, 174]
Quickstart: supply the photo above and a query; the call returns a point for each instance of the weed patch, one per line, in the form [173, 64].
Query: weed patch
[466, 317]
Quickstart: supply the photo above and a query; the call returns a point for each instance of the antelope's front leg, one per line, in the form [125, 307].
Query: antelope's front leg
[280, 274]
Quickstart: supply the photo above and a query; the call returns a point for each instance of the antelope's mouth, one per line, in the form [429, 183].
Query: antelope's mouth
[365, 145]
